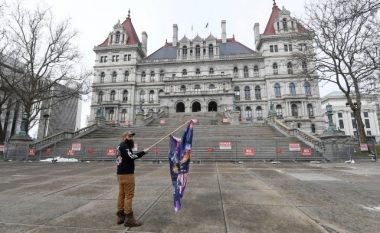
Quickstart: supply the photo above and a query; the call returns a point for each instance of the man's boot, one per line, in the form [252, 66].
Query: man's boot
[120, 216]
[130, 221]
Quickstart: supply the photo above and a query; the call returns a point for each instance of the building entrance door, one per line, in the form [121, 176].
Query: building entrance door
[212, 106]
[196, 107]
[180, 107]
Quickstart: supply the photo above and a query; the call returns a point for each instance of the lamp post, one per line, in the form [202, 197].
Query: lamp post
[46, 117]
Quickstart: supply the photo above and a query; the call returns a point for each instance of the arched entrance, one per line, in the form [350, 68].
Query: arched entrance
[196, 107]
[180, 107]
[212, 106]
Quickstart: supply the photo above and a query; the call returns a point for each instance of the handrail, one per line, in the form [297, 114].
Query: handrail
[302, 135]
[61, 136]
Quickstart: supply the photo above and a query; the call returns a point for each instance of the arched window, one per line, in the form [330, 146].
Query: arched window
[197, 71]
[258, 92]
[100, 97]
[152, 75]
[123, 115]
[125, 96]
[162, 75]
[259, 113]
[310, 111]
[211, 71]
[143, 74]
[184, 72]
[184, 51]
[211, 87]
[247, 93]
[279, 111]
[111, 113]
[142, 96]
[126, 76]
[277, 90]
[275, 68]
[102, 76]
[237, 93]
[117, 40]
[183, 88]
[160, 92]
[248, 113]
[236, 71]
[292, 89]
[245, 72]
[256, 71]
[114, 75]
[290, 68]
[151, 96]
[307, 89]
[197, 88]
[112, 95]
[210, 50]
[294, 109]
[197, 51]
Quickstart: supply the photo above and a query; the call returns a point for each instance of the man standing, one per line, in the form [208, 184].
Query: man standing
[126, 179]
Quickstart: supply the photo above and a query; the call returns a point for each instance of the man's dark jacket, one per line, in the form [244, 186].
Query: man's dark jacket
[126, 158]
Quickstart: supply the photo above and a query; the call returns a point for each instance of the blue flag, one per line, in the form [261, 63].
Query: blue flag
[179, 160]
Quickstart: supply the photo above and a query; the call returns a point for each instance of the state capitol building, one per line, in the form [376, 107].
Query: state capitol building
[208, 75]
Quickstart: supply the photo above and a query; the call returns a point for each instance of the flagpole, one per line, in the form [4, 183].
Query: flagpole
[168, 135]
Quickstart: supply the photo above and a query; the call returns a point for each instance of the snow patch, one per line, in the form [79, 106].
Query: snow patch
[60, 159]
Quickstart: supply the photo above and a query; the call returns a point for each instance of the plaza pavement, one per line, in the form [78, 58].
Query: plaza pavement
[220, 198]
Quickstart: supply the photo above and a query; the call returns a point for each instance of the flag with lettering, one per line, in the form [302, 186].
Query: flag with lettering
[179, 160]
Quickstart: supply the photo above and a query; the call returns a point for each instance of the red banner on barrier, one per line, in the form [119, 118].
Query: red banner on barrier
[210, 150]
[76, 146]
[225, 145]
[2, 147]
[294, 147]
[90, 151]
[363, 147]
[306, 152]
[32, 152]
[249, 151]
[49, 151]
[279, 150]
[70, 152]
[111, 152]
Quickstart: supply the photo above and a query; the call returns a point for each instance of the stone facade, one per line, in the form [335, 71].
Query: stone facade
[208, 74]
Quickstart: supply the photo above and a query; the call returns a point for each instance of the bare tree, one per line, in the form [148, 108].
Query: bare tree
[346, 38]
[43, 56]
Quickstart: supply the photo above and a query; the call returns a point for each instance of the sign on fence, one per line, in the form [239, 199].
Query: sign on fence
[279, 150]
[363, 147]
[306, 152]
[162, 122]
[225, 145]
[210, 150]
[294, 147]
[31, 152]
[70, 152]
[135, 147]
[226, 120]
[90, 151]
[111, 152]
[2, 147]
[249, 151]
[76, 146]
[49, 151]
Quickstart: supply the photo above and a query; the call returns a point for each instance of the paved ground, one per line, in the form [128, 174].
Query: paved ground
[220, 197]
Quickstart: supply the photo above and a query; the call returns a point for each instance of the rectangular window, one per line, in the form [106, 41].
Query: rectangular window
[116, 58]
[105, 59]
[367, 125]
[125, 57]
[101, 59]
[341, 124]
[285, 47]
[290, 47]
[271, 48]
[113, 58]
[365, 114]
[354, 123]
[369, 133]
[276, 48]
[340, 115]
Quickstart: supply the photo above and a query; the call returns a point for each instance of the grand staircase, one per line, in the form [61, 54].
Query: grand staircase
[245, 142]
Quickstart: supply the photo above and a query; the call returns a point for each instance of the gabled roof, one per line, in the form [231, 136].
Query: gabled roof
[131, 32]
[197, 38]
[269, 29]
[184, 39]
[210, 37]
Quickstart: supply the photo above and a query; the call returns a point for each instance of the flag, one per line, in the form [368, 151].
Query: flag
[206, 24]
[179, 159]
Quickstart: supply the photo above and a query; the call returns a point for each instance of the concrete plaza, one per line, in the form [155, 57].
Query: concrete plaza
[220, 198]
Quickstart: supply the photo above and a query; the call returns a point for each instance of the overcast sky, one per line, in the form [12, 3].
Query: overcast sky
[94, 19]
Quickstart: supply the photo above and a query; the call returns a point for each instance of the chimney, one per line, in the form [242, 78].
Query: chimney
[224, 35]
[175, 35]
[144, 38]
[256, 29]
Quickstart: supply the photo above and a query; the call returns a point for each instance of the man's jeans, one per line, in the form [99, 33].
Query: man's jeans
[126, 192]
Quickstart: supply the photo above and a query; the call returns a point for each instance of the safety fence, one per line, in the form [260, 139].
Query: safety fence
[232, 149]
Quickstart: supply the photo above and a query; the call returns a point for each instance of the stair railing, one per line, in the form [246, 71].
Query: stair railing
[45, 142]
